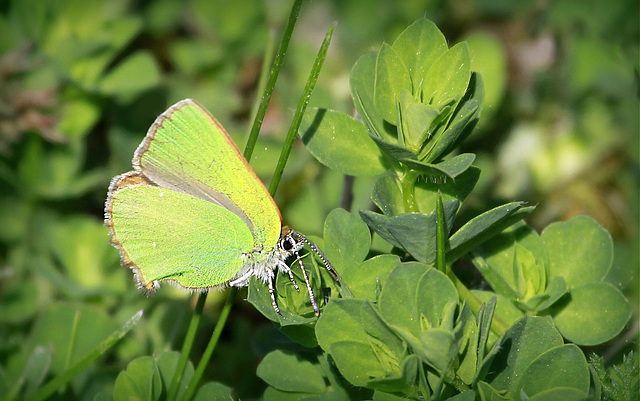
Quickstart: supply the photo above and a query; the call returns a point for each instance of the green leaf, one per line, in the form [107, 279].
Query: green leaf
[36, 369]
[415, 233]
[580, 250]
[139, 381]
[288, 372]
[495, 258]
[448, 76]
[480, 229]
[362, 82]
[393, 151]
[340, 142]
[167, 363]
[213, 391]
[137, 73]
[78, 245]
[346, 239]
[450, 168]
[392, 78]
[447, 140]
[363, 343]
[366, 280]
[415, 121]
[522, 344]
[506, 312]
[600, 306]
[56, 171]
[398, 298]
[418, 47]
[488, 393]
[561, 367]
[387, 194]
[414, 303]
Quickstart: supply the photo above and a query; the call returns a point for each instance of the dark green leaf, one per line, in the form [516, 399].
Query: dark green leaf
[558, 368]
[414, 233]
[450, 168]
[484, 227]
[213, 391]
[289, 372]
[140, 381]
[522, 344]
[365, 280]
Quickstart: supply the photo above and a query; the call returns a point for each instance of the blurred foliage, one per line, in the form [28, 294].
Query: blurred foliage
[80, 83]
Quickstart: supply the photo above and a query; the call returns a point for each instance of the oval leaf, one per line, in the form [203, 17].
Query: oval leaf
[340, 142]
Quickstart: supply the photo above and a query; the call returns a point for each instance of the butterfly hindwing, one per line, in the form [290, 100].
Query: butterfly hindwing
[168, 235]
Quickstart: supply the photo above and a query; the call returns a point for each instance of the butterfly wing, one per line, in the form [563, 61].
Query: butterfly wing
[164, 234]
[188, 151]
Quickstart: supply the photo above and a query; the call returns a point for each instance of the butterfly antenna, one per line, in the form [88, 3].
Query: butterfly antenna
[306, 280]
[318, 252]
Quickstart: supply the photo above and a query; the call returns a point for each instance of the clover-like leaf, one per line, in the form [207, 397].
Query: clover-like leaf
[580, 250]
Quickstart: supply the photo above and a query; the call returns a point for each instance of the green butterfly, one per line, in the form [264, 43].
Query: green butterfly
[194, 212]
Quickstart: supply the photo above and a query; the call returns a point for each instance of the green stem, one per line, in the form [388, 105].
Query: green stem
[215, 336]
[273, 77]
[408, 184]
[302, 106]
[441, 235]
[186, 347]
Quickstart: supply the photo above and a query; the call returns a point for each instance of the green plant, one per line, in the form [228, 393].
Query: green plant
[412, 328]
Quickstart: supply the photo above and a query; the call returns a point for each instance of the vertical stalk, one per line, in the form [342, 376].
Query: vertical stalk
[186, 347]
[271, 83]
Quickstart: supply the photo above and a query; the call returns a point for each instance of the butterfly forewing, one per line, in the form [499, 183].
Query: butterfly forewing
[187, 150]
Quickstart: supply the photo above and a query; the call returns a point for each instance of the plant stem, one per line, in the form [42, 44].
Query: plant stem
[302, 106]
[407, 183]
[215, 336]
[186, 347]
[441, 236]
[273, 77]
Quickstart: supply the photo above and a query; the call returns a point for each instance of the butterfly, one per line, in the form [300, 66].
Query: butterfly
[194, 212]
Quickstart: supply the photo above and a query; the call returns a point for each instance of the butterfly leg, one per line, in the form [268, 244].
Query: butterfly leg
[272, 292]
[293, 280]
[306, 280]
